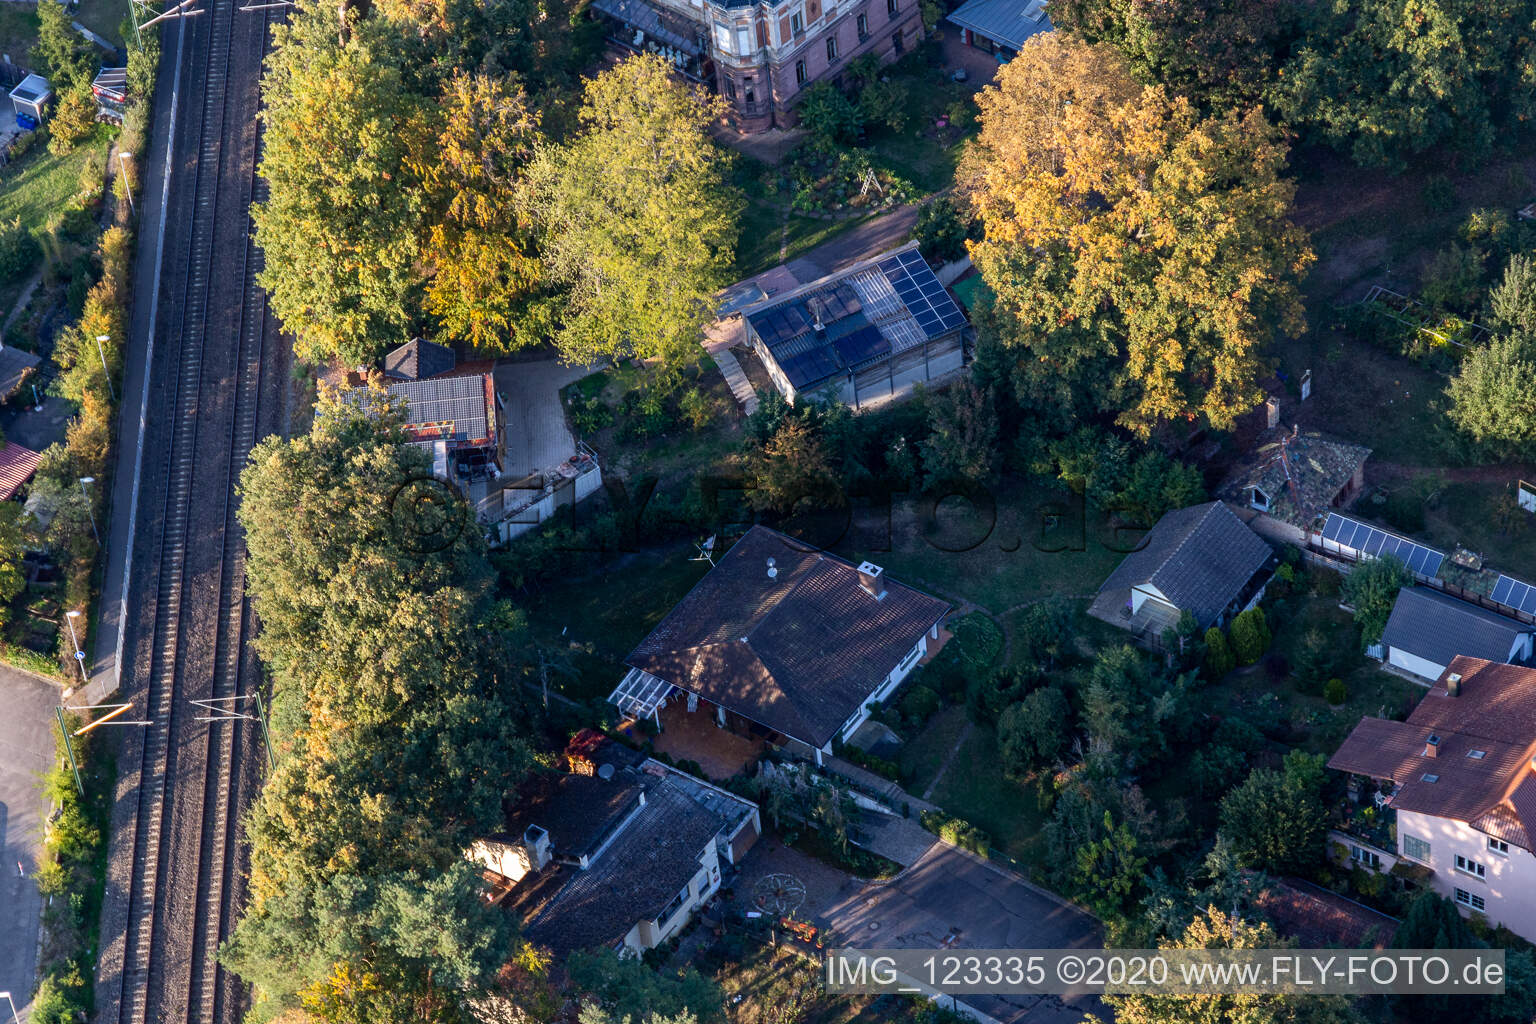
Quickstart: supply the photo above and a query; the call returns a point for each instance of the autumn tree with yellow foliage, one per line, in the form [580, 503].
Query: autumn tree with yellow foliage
[1141, 257]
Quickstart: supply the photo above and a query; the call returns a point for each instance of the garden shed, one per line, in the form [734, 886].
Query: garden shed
[29, 98]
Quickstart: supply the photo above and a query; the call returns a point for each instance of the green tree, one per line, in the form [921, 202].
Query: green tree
[1275, 821]
[1031, 733]
[1155, 486]
[62, 52]
[341, 226]
[1073, 159]
[73, 120]
[636, 216]
[1128, 710]
[961, 446]
[625, 987]
[791, 469]
[1250, 636]
[1513, 300]
[1219, 659]
[1388, 80]
[940, 230]
[1493, 395]
[397, 721]
[485, 285]
[1371, 589]
[1108, 870]
[1214, 929]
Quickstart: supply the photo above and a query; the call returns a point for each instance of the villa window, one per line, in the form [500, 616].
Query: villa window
[831, 49]
[800, 75]
[896, 45]
[892, 7]
[797, 23]
[1468, 899]
[730, 89]
[1365, 857]
[1468, 866]
[1415, 848]
[863, 27]
[1498, 846]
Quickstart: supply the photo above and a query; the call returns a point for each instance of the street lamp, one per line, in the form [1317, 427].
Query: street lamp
[122, 162]
[88, 509]
[74, 638]
[103, 353]
[7, 996]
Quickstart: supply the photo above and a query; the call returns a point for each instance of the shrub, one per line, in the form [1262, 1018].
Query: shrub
[888, 103]
[919, 704]
[956, 832]
[18, 250]
[1335, 692]
[1250, 636]
[978, 640]
[830, 117]
[696, 408]
[1439, 194]
[1219, 659]
[940, 231]
[1453, 278]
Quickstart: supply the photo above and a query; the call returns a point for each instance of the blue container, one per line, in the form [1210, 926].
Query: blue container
[26, 122]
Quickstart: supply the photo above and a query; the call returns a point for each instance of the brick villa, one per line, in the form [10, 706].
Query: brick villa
[761, 55]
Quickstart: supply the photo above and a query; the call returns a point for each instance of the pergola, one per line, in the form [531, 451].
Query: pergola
[640, 695]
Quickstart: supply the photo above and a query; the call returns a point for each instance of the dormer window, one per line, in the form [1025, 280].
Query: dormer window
[1258, 499]
[1477, 755]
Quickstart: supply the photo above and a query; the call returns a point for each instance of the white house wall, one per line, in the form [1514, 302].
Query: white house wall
[901, 671]
[703, 885]
[1421, 667]
[1509, 889]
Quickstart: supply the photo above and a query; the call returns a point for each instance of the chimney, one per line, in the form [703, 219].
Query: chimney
[1453, 685]
[872, 579]
[536, 842]
[1432, 746]
[1272, 412]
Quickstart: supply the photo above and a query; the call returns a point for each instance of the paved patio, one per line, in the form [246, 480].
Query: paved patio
[536, 434]
[693, 736]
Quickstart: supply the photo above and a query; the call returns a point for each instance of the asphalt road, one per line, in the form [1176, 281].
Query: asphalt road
[26, 751]
[950, 895]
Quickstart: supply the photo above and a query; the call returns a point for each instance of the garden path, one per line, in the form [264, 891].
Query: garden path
[949, 758]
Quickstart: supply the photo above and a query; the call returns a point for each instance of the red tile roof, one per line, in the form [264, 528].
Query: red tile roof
[1480, 771]
[1317, 918]
[17, 464]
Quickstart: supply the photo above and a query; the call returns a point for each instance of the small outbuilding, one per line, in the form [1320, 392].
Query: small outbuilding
[1203, 560]
[1000, 27]
[110, 88]
[1427, 629]
[30, 98]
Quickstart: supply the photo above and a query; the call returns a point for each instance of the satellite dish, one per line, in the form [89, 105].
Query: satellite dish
[605, 771]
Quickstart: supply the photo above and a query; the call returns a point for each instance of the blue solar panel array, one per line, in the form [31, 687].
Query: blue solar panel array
[926, 299]
[1371, 543]
[1515, 594]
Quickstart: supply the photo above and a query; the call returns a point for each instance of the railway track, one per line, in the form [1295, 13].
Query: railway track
[220, 359]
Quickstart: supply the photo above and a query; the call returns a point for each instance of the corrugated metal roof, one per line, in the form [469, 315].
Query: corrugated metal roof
[1009, 22]
[17, 464]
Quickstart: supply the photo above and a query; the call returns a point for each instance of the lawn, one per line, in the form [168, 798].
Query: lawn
[1027, 542]
[925, 753]
[604, 614]
[762, 231]
[977, 791]
[104, 17]
[39, 184]
[18, 31]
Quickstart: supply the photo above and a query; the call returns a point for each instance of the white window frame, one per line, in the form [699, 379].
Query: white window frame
[1472, 868]
[796, 23]
[1498, 846]
[1417, 849]
[1470, 899]
[743, 40]
[723, 38]
[1368, 858]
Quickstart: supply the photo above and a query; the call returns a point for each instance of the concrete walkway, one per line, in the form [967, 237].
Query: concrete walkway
[737, 380]
[895, 838]
[26, 752]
